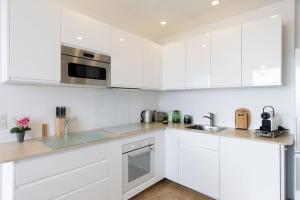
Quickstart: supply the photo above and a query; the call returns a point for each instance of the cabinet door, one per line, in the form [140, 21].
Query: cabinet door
[34, 31]
[160, 155]
[126, 63]
[61, 184]
[174, 66]
[76, 159]
[262, 57]
[199, 170]
[226, 52]
[198, 62]
[172, 150]
[82, 31]
[297, 176]
[152, 66]
[94, 191]
[249, 170]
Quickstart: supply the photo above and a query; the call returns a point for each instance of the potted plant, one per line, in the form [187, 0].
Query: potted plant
[22, 125]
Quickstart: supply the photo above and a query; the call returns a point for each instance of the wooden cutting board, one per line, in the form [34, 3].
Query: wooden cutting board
[242, 118]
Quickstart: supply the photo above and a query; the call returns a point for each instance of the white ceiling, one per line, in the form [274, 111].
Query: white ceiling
[143, 17]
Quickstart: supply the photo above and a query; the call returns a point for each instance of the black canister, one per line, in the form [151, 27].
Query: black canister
[188, 119]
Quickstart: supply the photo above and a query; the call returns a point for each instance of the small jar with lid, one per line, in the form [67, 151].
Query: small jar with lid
[176, 116]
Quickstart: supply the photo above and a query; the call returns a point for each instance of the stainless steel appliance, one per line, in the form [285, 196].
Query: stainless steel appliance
[297, 148]
[138, 163]
[158, 116]
[147, 116]
[85, 68]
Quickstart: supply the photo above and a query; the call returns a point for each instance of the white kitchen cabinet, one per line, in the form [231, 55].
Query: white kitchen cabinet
[84, 32]
[226, 51]
[205, 141]
[91, 172]
[249, 170]
[199, 162]
[63, 183]
[171, 154]
[152, 66]
[83, 157]
[115, 171]
[126, 60]
[198, 62]
[93, 191]
[30, 41]
[160, 158]
[262, 52]
[199, 170]
[174, 66]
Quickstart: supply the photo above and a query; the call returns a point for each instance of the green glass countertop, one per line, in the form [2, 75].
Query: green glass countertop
[73, 139]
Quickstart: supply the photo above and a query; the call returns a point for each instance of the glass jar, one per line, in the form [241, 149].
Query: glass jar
[176, 116]
[166, 118]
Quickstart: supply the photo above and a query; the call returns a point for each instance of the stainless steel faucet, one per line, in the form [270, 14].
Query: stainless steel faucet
[211, 118]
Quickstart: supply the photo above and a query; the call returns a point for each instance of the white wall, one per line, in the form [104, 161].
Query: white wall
[297, 23]
[91, 108]
[223, 102]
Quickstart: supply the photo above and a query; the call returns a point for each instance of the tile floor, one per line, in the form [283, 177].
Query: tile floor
[167, 190]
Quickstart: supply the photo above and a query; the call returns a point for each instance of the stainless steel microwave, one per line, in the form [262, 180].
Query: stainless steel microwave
[84, 67]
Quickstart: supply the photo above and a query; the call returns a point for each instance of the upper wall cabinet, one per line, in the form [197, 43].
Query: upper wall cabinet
[198, 62]
[126, 60]
[84, 32]
[30, 41]
[226, 57]
[174, 66]
[152, 66]
[262, 50]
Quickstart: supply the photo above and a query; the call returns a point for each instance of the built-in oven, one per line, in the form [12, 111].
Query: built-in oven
[84, 67]
[138, 163]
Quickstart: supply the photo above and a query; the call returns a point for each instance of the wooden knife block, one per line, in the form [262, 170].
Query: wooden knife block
[60, 126]
[242, 118]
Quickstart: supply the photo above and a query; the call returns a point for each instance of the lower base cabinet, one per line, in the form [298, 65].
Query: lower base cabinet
[94, 191]
[93, 173]
[250, 170]
[171, 154]
[220, 167]
[199, 170]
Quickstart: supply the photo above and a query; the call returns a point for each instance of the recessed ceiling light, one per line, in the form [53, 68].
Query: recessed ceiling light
[163, 23]
[215, 2]
[122, 39]
[79, 38]
[204, 45]
[274, 16]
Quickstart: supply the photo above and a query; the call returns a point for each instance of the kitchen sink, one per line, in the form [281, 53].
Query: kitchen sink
[207, 128]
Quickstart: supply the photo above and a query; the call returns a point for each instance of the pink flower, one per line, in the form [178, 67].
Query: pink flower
[23, 122]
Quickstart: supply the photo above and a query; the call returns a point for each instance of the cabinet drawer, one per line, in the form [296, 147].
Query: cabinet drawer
[200, 140]
[94, 191]
[38, 168]
[199, 170]
[61, 184]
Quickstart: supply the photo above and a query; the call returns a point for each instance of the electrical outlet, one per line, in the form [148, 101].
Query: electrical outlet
[3, 121]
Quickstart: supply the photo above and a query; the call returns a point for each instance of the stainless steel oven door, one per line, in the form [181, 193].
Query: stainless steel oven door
[75, 70]
[138, 167]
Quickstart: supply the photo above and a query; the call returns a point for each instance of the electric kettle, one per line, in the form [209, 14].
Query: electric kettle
[147, 116]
